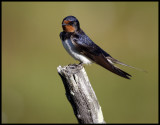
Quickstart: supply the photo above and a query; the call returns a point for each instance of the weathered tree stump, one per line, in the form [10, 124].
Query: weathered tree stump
[80, 94]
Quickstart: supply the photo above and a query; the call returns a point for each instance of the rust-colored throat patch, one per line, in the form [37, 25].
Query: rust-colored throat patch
[68, 28]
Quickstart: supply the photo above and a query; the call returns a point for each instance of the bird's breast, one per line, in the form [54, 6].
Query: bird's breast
[71, 49]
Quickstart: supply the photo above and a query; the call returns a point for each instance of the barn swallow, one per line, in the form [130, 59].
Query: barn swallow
[83, 49]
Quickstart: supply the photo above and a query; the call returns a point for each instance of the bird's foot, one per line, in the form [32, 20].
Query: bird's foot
[76, 67]
[80, 65]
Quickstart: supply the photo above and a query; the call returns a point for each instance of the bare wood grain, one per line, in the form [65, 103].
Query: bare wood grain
[80, 94]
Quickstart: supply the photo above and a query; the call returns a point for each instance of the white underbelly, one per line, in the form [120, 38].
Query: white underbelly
[74, 53]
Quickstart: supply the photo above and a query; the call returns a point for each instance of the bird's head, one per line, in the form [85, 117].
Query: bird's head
[70, 24]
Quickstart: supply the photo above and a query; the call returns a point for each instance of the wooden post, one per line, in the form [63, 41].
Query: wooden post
[80, 94]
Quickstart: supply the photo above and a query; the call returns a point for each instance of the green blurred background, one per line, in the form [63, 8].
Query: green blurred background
[32, 91]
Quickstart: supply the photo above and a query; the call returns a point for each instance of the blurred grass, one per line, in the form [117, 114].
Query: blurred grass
[32, 91]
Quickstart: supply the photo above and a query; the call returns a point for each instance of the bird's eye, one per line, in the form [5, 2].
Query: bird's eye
[71, 23]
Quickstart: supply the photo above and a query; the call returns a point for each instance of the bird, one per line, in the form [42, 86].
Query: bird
[83, 49]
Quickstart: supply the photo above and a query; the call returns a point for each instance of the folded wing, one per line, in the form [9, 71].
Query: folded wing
[96, 54]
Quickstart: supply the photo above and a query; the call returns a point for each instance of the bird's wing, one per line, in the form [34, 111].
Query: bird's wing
[96, 54]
